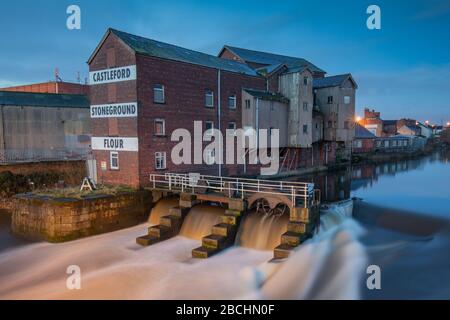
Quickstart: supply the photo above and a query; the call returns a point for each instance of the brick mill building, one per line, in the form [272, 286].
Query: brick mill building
[141, 90]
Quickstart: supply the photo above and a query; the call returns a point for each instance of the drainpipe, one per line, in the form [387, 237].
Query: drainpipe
[220, 126]
[257, 124]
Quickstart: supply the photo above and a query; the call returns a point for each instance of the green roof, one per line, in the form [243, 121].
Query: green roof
[28, 99]
[163, 50]
[266, 58]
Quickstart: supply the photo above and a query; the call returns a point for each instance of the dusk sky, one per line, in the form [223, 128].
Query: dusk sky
[403, 70]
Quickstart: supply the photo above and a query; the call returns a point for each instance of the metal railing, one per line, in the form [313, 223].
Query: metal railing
[300, 193]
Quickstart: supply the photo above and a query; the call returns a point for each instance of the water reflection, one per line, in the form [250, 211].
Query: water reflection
[417, 184]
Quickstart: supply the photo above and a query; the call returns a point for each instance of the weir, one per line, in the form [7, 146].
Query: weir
[238, 196]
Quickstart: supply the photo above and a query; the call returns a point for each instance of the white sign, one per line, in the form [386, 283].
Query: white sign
[115, 144]
[119, 110]
[112, 75]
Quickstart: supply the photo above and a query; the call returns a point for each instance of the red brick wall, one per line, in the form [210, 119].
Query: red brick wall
[123, 127]
[185, 86]
[368, 145]
[52, 87]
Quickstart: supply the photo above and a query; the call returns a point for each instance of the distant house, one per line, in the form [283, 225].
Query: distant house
[425, 130]
[409, 130]
[400, 143]
[364, 140]
[389, 127]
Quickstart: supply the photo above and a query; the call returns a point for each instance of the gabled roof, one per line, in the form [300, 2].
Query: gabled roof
[390, 122]
[267, 95]
[158, 49]
[333, 81]
[267, 58]
[267, 70]
[28, 99]
[363, 133]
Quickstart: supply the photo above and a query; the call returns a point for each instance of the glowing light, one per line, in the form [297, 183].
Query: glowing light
[358, 119]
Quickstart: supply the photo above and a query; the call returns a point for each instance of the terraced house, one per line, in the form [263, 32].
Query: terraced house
[141, 90]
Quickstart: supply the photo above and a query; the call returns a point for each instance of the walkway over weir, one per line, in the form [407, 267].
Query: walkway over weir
[295, 194]
[268, 197]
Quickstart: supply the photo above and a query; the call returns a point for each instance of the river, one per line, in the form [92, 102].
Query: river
[402, 226]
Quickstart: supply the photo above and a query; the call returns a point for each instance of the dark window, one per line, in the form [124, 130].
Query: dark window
[160, 127]
[114, 160]
[247, 104]
[305, 106]
[209, 99]
[158, 93]
[232, 102]
[160, 160]
[330, 99]
[305, 81]
[232, 125]
[305, 128]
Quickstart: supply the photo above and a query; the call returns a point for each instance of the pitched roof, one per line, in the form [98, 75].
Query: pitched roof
[363, 133]
[267, 95]
[332, 81]
[390, 122]
[267, 58]
[28, 99]
[167, 51]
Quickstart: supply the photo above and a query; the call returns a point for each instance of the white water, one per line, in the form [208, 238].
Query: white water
[114, 267]
[261, 232]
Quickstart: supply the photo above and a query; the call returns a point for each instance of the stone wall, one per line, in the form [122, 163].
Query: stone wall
[58, 220]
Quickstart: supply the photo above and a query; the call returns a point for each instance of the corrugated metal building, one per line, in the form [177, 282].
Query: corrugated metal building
[43, 127]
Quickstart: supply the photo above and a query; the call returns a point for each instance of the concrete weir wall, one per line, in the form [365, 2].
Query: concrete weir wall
[58, 220]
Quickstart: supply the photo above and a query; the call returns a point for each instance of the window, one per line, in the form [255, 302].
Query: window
[272, 106]
[232, 102]
[347, 99]
[247, 104]
[378, 144]
[305, 106]
[114, 160]
[209, 99]
[232, 125]
[305, 128]
[158, 93]
[160, 127]
[271, 131]
[330, 99]
[346, 125]
[330, 124]
[386, 143]
[160, 160]
[305, 81]
[210, 156]
[209, 126]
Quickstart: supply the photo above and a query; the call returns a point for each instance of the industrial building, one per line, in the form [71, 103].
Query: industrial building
[43, 127]
[141, 90]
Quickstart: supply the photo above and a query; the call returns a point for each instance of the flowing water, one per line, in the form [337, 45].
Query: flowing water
[260, 231]
[403, 226]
